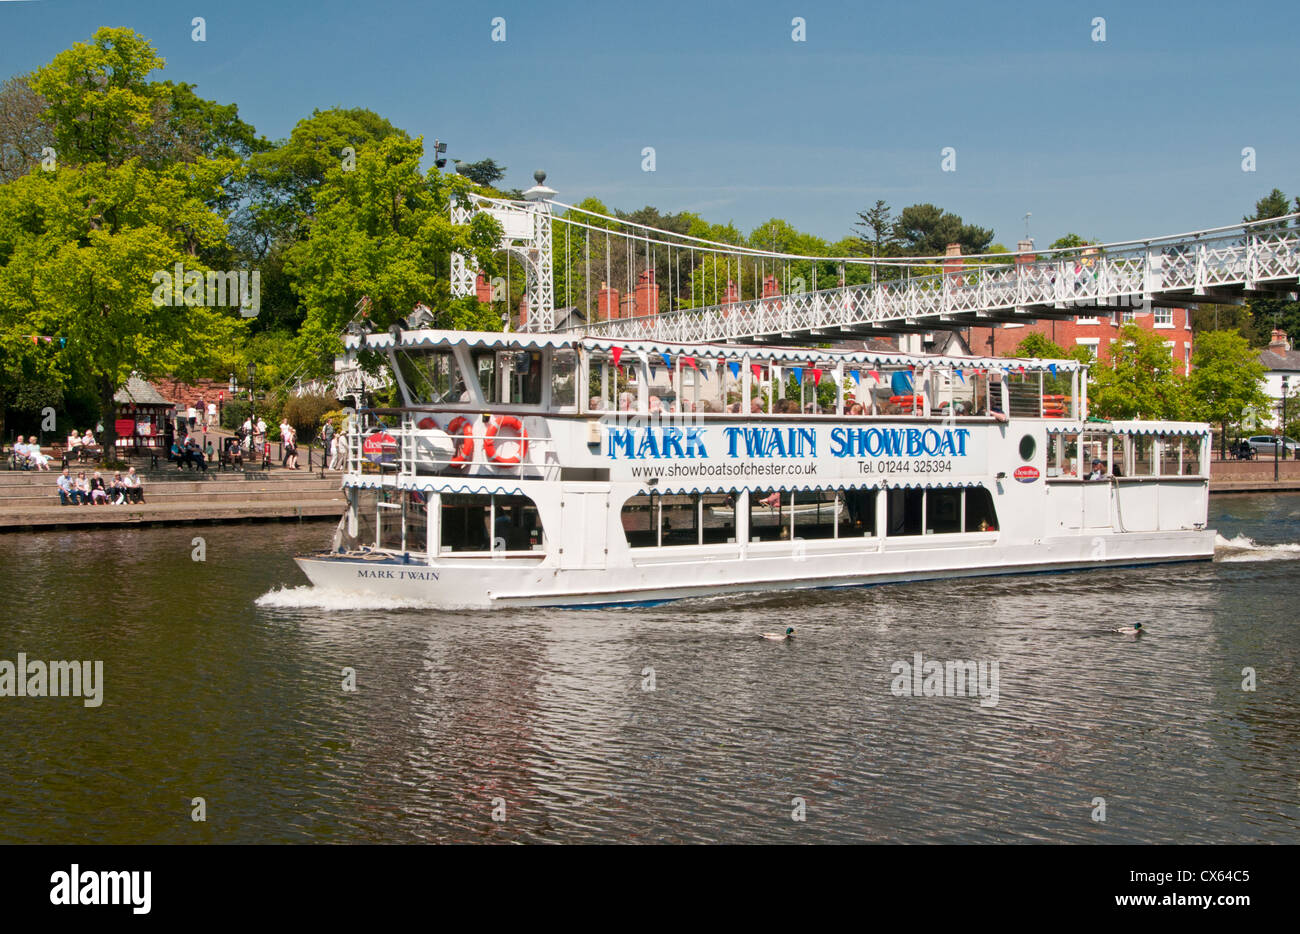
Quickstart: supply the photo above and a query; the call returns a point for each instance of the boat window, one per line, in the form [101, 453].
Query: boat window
[366, 516]
[564, 379]
[769, 515]
[1191, 448]
[402, 520]
[467, 518]
[1062, 457]
[523, 374]
[679, 521]
[640, 517]
[859, 514]
[485, 367]
[1028, 446]
[815, 513]
[980, 514]
[943, 511]
[657, 520]
[718, 518]
[906, 509]
[1024, 394]
[431, 376]
[1143, 455]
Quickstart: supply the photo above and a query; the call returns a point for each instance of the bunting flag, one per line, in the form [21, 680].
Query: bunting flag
[798, 374]
[817, 376]
[616, 353]
[1052, 367]
[758, 370]
[688, 361]
[874, 374]
[960, 375]
[734, 367]
[857, 377]
[668, 361]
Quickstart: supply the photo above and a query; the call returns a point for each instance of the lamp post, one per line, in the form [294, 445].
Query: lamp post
[1285, 381]
[1280, 439]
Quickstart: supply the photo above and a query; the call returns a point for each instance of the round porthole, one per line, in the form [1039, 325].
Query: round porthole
[1027, 447]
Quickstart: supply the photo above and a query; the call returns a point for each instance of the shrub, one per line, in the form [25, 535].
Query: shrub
[306, 413]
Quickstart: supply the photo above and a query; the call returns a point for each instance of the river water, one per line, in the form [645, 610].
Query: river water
[223, 680]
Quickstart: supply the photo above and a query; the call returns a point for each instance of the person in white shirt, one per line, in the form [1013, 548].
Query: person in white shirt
[1098, 471]
[67, 494]
[131, 483]
[212, 414]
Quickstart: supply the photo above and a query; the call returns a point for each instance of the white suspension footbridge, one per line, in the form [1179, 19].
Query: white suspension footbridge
[673, 286]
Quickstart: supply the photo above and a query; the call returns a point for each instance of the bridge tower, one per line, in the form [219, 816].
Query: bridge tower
[526, 234]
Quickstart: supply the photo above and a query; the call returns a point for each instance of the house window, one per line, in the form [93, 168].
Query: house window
[1089, 342]
[1164, 317]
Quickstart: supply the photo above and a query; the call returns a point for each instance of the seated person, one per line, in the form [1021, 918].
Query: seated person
[1098, 471]
[89, 445]
[195, 454]
[67, 489]
[35, 457]
[98, 490]
[132, 487]
[117, 489]
[74, 440]
[83, 489]
[178, 454]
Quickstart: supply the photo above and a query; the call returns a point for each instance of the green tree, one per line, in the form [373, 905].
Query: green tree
[926, 230]
[381, 241]
[1226, 380]
[79, 250]
[99, 103]
[1139, 380]
[485, 172]
[876, 225]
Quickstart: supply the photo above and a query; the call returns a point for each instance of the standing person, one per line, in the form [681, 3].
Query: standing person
[259, 441]
[202, 412]
[247, 433]
[339, 459]
[286, 441]
[212, 415]
[327, 439]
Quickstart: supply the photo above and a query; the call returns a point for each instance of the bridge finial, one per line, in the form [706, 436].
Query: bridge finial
[539, 176]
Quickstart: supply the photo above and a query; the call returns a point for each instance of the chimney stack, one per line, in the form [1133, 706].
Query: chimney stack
[1279, 343]
[1024, 252]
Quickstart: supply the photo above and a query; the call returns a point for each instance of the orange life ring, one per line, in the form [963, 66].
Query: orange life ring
[905, 400]
[460, 425]
[489, 440]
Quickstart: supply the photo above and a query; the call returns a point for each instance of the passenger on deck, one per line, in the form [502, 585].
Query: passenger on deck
[595, 404]
[656, 405]
[1098, 471]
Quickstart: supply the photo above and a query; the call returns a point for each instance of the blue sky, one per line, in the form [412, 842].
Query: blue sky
[1140, 135]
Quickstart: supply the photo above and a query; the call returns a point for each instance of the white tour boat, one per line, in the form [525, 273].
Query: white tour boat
[552, 470]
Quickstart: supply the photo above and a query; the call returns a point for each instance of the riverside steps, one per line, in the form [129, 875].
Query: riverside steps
[30, 500]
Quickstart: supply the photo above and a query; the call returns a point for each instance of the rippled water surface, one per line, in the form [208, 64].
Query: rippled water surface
[223, 680]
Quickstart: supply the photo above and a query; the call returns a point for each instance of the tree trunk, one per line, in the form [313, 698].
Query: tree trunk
[108, 412]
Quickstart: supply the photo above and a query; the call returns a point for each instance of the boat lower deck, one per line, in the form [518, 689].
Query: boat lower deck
[496, 582]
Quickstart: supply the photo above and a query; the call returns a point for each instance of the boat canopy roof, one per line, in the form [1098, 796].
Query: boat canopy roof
[497, 340]
[1131, 428]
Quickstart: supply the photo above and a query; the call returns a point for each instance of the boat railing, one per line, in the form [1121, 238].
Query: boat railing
[407, 451]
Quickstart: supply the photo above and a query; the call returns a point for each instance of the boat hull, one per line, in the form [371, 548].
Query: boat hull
[486, 583]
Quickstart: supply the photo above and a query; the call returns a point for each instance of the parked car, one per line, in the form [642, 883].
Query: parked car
[1267, 445]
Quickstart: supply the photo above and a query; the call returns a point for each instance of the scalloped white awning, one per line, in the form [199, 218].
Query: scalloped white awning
[807, 356]
[1131, 428]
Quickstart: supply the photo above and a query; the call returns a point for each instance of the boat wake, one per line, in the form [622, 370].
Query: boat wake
[1243, 548]
[307, 597]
